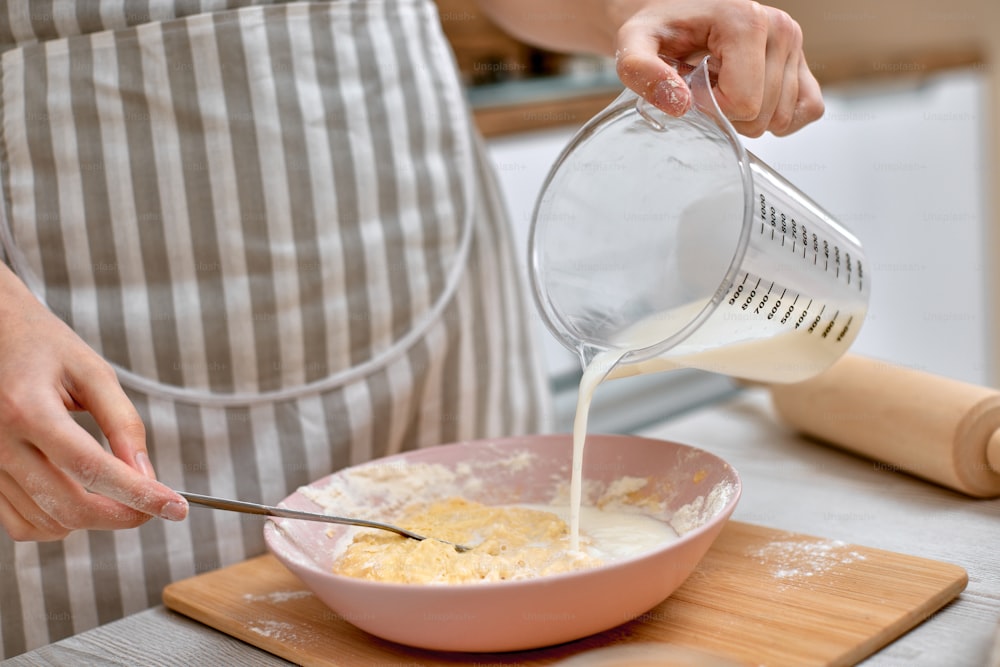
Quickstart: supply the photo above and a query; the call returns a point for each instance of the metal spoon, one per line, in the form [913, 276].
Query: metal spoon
[267, 510]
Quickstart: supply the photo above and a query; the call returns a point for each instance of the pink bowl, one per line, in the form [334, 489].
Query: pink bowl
[531, 613]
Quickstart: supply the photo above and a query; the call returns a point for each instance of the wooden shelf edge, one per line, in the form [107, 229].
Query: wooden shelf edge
[516, 118]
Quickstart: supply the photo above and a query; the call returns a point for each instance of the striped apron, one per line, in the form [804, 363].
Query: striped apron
[275, 221]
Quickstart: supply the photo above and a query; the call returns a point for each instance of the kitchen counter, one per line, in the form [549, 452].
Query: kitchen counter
[789, 483]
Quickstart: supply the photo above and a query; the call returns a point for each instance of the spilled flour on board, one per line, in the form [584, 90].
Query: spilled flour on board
[795, 561]
[273, 629]
[277, 597]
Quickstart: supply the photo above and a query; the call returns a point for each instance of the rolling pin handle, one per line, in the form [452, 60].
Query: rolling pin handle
[993, 452]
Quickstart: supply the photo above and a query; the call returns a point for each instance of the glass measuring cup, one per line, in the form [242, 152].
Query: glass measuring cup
[664, 242]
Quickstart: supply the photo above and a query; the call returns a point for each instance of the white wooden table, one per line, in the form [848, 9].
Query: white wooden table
[789, 483]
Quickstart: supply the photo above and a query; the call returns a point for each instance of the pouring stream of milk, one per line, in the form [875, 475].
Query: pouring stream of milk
[595, 373]
[603, 366]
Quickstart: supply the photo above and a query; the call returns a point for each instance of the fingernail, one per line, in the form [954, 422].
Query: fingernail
[174, 511]
[672, 97]
[144, 466]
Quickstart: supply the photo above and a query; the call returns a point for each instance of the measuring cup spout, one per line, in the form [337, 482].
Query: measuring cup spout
[587, 353]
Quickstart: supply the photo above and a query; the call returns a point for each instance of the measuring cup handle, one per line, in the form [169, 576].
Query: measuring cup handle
[700, 79]
[685, 69]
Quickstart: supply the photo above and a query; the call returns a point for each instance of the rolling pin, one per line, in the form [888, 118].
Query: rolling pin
[936, 428]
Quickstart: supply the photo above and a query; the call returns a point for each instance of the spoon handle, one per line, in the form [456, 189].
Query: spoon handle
[267, 510]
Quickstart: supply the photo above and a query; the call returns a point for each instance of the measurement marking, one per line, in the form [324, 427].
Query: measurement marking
[796, 299]
[745, 277]
[805, 313]
[816, 321]
[783, 294]
[821, 309]
[843, 332]
[758, 284]
[829, 327]
[771, 287]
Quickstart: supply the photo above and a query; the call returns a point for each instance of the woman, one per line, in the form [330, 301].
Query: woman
[246, 247]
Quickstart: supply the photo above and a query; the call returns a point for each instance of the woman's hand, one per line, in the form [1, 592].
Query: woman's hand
[763, 80]
[54, 477]
[764, 83]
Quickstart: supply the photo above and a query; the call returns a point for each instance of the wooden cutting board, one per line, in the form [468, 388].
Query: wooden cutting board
[760, 596]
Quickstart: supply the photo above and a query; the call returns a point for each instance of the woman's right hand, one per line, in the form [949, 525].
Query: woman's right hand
[54, 477]
[764, 83]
